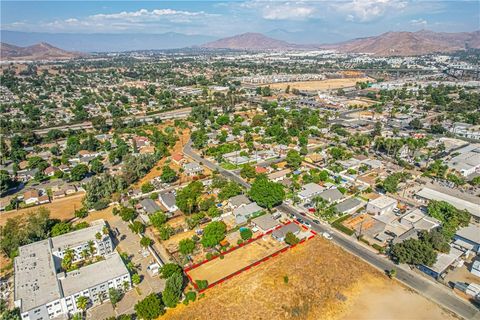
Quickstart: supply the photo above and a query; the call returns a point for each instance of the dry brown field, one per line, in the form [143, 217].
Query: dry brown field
[324, 282]
[236, 260]
[62, 209]
[329, 84]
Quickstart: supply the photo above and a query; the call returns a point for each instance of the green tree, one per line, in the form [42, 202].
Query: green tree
[416, 124]
[170, 269]
[451, 218]
[136, 279]
[78, 172]
[150, 308]
[266, 193]
[82, 303]
[186, 246]
[96, 166]
[294, 159]
[246, 233]
[60, 228]
[147, 187]
[115, 296]
[137, 227]
[158, 219]
[127, 214]
[414, 251]
[6, 182]
[145, 242]
[168, 175]
[213, 233]
[173, 290]
[291, 239]
[187, 198]
[248, 171]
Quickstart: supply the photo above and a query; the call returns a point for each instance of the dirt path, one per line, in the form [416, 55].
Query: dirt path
[62, 209]
[316, 280]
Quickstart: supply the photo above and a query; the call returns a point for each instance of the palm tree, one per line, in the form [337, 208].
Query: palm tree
[91, 247]
[82, 303]
[85, 254]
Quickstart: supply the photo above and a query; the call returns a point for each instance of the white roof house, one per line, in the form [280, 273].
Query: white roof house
[310, 190]
[381, 205]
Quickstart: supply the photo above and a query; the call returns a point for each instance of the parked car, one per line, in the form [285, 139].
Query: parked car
[308, 224]
[327, 235]
[316, 221]
[300, 220]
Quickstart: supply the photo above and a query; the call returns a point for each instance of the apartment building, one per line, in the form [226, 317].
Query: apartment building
[43, 291]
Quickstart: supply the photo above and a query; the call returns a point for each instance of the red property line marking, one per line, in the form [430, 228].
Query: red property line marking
[235, 248]
[250, 266]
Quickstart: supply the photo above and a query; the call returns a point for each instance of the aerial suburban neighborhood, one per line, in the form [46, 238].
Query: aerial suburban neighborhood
[242, 177]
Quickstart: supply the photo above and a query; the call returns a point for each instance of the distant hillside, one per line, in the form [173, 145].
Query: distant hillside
[40, 51]
[249, 41]
[104, 42]
[411, 43]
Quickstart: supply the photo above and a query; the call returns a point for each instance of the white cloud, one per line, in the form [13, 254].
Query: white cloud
[133, 21]
[282, 10]
[419, 22]
[368, 10]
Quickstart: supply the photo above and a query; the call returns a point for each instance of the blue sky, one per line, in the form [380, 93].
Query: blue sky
[301, 20]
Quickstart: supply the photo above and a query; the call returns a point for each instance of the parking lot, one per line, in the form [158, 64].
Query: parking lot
[128, 242]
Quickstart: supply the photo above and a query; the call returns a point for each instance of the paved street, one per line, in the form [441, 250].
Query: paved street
[430, 289]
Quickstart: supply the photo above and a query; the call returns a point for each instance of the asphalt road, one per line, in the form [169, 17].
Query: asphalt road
[431, 290]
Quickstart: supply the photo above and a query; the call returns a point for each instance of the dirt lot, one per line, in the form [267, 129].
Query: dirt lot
[217, 269]
[324, 282]
[183, 139]
[62, 209]
[319, 84]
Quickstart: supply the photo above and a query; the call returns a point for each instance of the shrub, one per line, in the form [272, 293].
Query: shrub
[202, 284]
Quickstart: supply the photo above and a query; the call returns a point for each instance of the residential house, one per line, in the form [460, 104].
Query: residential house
[31, 196]
[381, 205]
[309, 191]
[349, 206]
[177, 158]
[280, 233]
[148, 206]
[265, 223]
[50, 171]
[168, 200]
[192, 169]
[279, 175]
[242, 213]
[238, 201]
[331, 195]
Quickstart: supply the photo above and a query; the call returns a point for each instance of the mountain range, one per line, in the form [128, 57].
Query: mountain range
[386, 44]
[40, 51]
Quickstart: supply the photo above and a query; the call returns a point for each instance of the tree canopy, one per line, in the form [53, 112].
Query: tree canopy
[213, 233]
[266, 193]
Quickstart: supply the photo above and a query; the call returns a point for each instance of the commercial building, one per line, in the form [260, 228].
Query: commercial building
[44, 291]
[456, 199]
[467, 161]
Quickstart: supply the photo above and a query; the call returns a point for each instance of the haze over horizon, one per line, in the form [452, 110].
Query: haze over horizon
[299, 22]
